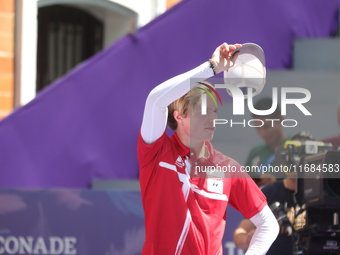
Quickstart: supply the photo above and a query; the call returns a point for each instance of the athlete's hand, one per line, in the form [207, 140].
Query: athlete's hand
[221, 57]
[249, 236]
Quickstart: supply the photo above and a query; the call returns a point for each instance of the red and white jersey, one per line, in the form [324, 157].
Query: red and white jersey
[185, 215]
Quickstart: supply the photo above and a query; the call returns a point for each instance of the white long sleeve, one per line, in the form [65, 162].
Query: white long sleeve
[265, 234]
[156, 111]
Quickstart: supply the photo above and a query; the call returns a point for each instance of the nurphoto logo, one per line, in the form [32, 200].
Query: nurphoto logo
[238, 98]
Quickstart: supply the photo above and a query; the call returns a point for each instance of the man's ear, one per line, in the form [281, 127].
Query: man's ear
[178, 117]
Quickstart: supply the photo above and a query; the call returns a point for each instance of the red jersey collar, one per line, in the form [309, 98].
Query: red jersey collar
[182, 149]
[185, 151]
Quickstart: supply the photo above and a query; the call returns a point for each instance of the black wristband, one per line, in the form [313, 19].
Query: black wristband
[212, 66]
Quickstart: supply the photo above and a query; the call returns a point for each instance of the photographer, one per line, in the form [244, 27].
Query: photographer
[280, 196]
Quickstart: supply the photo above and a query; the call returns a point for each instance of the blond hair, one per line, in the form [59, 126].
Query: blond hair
[190, 99]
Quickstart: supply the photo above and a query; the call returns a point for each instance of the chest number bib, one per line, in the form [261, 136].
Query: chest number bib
[215, 185]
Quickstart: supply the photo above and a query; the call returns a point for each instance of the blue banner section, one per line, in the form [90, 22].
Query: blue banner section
[81, 222]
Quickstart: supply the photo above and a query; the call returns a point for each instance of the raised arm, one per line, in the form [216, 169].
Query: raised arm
[156, 106]
[155, 111]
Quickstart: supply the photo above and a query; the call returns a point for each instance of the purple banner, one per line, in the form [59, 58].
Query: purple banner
[85, 125]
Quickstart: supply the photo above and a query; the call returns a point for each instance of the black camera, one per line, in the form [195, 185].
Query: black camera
[318, 182]
[318, 187]
[317, 169]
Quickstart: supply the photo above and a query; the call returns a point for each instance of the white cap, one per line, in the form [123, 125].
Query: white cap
[249, 70]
